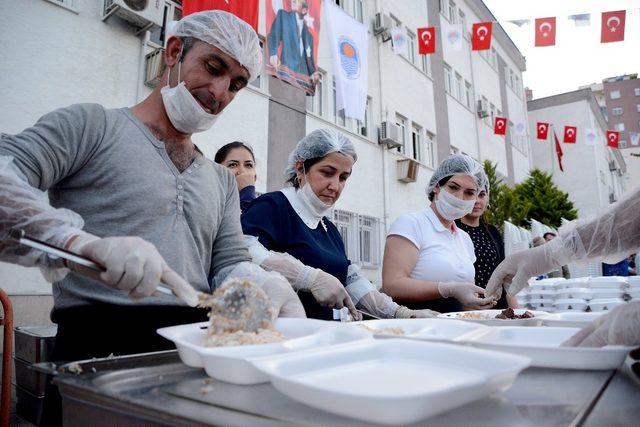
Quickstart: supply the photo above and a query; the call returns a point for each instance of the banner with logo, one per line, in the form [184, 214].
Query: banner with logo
[293, 35]
[349, 46]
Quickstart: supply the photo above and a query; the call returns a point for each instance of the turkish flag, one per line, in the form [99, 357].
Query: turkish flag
[613, 137]
[570, 134]
[247, 10]
[612, 26]
[543, 130]
[500, 126]
[427, 40]
[545, 32]
[481, 36]
[559, 152]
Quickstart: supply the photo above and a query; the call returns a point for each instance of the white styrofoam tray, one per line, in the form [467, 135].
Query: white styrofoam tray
[420, 329]
[602, 293]
[542, 294]
[233, 364]
[605, 304]
[570, 319]
[571, 293]
[580, 282]
[607, 282]
[392, 381]
[543, 346]
[537, 303]
[488, 317]
[571, 304]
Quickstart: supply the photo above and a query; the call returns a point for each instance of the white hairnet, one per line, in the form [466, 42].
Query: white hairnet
[459, 164]
[318, 144]
[227, 32]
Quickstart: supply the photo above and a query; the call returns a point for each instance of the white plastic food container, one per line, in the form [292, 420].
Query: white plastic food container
[634, 294]
[570, 304]
[574, 293]
[578, 282]
[634, 282]
[392, 381]
[540, 304]
[570, 319]
[543, 345]
[423, 329]
[606, 293]
[233, 364]
[608, 282]
[605, 304]
[487, 317]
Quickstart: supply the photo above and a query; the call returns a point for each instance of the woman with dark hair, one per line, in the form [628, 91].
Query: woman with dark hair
[487, 243]
[428, 260]
[289, 231]
[239, 157]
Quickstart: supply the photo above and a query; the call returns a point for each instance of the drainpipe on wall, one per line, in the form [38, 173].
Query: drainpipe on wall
[473, 106]
[385, 155]
[141, 66]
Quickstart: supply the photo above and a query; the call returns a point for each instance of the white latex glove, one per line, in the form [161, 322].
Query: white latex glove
[467, 293]
[621, 326]
[132, 264]
[405, 313]
[515, 271]
[283, 298]
[327, 290]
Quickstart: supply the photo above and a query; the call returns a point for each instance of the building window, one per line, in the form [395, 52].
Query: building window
[614, 94]
[616, 111]
[368, 233]
[622, 144]
[448, 79]
[619, 127]
[516, 87]
[363, 127]
[452, 11]
[345, 222]
[459, 92]
[416, 144]
[468, 94]
[462, 20]
[493, 60]
[429, 149]
[314, 103]
[485, 102]
[257, 82]
[402, 129]
[426, 67]
[492, 114]
[338, 116]
[172, 12]
[411, 47]
[638, 108]
[358, 10]
[637, 91]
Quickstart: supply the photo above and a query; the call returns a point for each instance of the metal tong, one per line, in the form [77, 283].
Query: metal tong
[189, 296]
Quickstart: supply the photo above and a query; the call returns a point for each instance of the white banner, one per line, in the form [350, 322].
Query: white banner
[590, 137]
[452, 36]
[349, 47]
[635, 139]
[399, 40]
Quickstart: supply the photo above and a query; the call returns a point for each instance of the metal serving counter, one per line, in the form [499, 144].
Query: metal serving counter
[157, 389]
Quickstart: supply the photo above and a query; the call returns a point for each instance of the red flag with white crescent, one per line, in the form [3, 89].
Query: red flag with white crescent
[247, 10]
[500, 126]
[545, 32]
[570, 134]
[481, 36]
[559, 152]
[612, 26]
[427, 40]
[542, 130]
[613, 138]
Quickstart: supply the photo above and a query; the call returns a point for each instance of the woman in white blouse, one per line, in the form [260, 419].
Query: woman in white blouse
[428, 261]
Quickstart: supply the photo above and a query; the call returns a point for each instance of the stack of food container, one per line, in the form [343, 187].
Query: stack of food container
[634, 287]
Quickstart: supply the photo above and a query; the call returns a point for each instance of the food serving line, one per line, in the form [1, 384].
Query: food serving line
[438, 372]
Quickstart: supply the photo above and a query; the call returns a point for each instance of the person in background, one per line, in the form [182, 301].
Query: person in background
[537, 241]
[549, 236]
[239, 157]
[487, 244]
[620, 268]
[289, 232]
[614, 233]
[428, 260]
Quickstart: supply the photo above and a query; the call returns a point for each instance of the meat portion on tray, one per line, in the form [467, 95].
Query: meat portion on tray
[508, 313]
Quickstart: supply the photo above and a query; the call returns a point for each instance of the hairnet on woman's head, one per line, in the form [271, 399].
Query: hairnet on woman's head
[318, 144]
[227, 32]
[459, 164]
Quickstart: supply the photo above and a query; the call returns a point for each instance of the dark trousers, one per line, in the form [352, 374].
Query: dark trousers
[98, 330]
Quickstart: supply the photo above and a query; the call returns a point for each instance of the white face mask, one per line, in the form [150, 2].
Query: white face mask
[184, 112]
[452, 208]
[312, 202]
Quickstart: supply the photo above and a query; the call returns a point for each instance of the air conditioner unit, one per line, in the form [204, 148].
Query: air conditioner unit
[154, 65]
[389, 135]
[482, 109]
[407, 170]
[144, 14]
[382, 23]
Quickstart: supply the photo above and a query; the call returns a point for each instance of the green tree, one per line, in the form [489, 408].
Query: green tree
[544, 201]
[503, 205]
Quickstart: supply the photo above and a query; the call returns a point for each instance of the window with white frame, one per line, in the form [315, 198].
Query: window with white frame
[638, 108]
[361, 237]
[459, 91]
[462, 20]
[259, 80]
[468, 94]
[452, 11]
[355, 8]
[448, 79]
[516, 87]
[411, 47]
[402, 129]
[485, 102]
[172, 12]
[493, 59]
[363, 128]
[338, 116]
[346, 223]
[614, 94]
[444, 9]
[492, 114]
[429, 149]
[617, 111]
[314, 103]
[622, 144]
[416, 142]
[619, 127]
[637, 91]
[426, 64]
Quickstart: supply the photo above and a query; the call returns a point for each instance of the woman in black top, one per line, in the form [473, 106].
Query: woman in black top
[488, 246]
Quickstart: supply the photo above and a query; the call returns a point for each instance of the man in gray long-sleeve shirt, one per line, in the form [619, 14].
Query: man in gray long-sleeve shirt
[135, 172]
